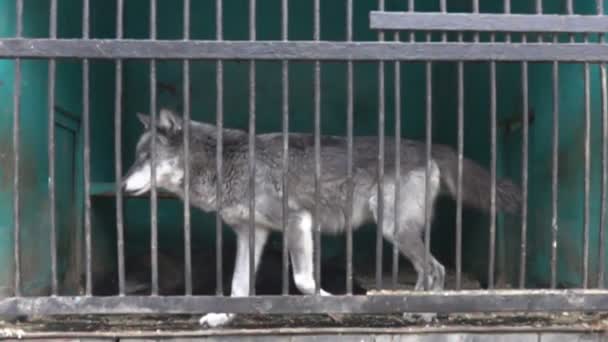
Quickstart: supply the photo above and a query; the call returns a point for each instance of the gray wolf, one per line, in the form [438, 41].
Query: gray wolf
[234, 209]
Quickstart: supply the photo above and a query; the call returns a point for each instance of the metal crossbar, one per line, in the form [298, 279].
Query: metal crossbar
[486, 22]
[281, 50]
[443, 302]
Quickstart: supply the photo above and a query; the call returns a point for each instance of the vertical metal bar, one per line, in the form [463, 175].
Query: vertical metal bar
[539, 10]
[587, 185]
[570, 10]
[460, 162]
[16, 156]
[524, 177]
[443, 7]
[285, 88]
[539, 6]
[317, 136]
[554, 173]
[186, 136]
[154, 148]
[349, 153]
[604, 191]
[120, 234]
[411, 7]
[51, 151]
[602, 232]
[492, 251]
[476, 10]
[381, 118]
[395, 270]
[252, 37]
[87, 154]
[219, 153]
[507, 10]
[427, 185]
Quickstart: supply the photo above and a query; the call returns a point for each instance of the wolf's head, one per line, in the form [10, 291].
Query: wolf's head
[168, 160]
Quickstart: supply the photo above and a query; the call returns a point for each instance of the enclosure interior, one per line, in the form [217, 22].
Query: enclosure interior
[136, 86]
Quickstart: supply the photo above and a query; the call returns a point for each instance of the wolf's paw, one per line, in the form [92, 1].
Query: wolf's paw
[424, 317]
[214, 320]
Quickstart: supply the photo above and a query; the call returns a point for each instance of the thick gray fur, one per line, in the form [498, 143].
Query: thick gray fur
[301, 190]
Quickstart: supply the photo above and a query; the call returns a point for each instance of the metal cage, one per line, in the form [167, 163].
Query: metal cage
[388, 49]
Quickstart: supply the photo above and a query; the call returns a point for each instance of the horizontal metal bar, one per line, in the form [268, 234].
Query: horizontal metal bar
[304, 50]
[339, 332]
[549, 23]
[444, 302]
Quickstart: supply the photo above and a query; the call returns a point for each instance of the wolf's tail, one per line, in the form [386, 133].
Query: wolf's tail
[476, 183]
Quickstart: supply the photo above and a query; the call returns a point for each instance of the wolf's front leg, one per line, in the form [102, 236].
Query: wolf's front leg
[240, 277]
[300, 239]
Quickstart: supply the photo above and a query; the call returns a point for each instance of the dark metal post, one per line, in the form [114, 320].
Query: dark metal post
[51, 151]
[397, 223]
[524, 177]
[285, 179]
[17, 156]
[219, 153]
[349, 152]
[554, 173]
[87, 154]
[154, 150]
[252, 37]
[186, 166]
[120, 235]
[317, 136]
[381, 118]
[427, 186]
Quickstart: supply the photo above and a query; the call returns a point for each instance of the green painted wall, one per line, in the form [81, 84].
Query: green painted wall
[135, 98]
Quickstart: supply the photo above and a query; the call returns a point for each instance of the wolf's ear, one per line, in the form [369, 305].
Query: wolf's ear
[169, 120]
[144, 119]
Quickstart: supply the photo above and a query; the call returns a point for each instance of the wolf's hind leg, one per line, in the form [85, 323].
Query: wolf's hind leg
[407, 236]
